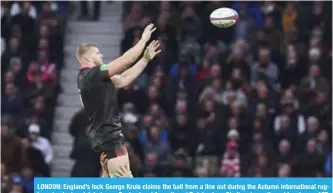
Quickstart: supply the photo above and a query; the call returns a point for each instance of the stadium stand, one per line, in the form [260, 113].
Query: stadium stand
[251, 100]
[32, 36]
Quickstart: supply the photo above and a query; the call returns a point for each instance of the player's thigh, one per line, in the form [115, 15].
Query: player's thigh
[119, 167]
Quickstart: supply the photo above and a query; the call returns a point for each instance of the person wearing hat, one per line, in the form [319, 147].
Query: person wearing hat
[40, 143]
[16, 185]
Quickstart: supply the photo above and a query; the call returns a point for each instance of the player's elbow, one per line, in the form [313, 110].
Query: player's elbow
[120, 64]
[112, 71]
[115, 68]
[121, 85]
[120, 81]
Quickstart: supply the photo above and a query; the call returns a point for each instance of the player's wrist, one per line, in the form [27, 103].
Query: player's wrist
[146, 55]
[145, 59]
[143, 40]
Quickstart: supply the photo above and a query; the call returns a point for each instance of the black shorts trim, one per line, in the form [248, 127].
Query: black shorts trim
[112, 149]
[115, 151]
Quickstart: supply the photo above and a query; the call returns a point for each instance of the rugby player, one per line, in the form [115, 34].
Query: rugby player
[98, 84]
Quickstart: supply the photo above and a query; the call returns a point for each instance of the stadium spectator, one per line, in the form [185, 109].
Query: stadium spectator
[40, 143]
[27, 180]
[328, 165]
[263, 83]
[29, 77]
[284, 171]
[284, 152]
[12, 103]
[310, 162]
[85, 10]
[11, 149]
[230, 164]
[35, 159]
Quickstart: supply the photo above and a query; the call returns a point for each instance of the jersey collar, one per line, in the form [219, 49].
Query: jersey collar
[84, 67]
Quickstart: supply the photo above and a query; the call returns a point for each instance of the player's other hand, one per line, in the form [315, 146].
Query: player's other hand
[152, 50]
[104, 164]
[147, 32]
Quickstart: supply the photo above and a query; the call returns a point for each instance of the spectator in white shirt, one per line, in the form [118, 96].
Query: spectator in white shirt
[16, 9]
[40, 143]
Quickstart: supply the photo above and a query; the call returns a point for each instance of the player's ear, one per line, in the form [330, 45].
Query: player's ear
[87, 57]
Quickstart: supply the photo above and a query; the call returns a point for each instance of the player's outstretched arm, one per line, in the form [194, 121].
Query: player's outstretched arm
[121, 63]
[132, 73]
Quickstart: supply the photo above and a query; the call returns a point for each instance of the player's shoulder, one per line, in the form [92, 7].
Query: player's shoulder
[87, 71]
[95, 69]
[83, 76]
[84, 70]
[92, 76]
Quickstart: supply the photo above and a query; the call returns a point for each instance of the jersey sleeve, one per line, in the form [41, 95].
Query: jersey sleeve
[98, 73]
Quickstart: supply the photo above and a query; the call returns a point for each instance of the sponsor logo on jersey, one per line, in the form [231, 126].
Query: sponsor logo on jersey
[104, 67]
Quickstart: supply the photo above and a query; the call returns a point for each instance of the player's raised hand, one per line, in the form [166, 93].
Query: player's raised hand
[147, 32]
[152, 50]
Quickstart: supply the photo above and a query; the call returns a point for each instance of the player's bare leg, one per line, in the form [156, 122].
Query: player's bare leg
[119, 167]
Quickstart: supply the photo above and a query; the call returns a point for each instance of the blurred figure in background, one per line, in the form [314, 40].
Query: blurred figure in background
[85, 10]
[31, 35]
[40, 143]
[82, 153]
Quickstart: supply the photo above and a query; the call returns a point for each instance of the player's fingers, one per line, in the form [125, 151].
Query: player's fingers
[156, 48]
[148, 47]
[153, 30]
[157, 52]
[151, 44]
[104, 161]
[147, 28]
[150, 26]
[156, 45]
[103, 155]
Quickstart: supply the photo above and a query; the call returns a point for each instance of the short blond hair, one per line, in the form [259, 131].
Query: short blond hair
[83, 49]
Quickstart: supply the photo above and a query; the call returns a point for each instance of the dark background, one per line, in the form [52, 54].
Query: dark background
[250, 100]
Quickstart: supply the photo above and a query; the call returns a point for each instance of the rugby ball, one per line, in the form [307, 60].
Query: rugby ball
[224, 17]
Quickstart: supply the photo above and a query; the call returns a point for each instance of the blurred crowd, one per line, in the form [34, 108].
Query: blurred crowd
[250, 100]
[31, 58]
